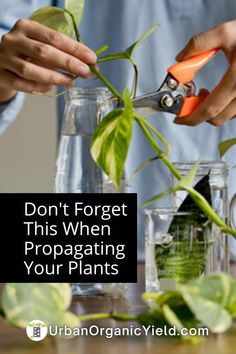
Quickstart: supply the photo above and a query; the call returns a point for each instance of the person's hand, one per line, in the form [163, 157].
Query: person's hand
[220, 105]
[31, 53]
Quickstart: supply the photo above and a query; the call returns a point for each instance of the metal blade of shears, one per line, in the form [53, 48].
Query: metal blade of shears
[158, 101]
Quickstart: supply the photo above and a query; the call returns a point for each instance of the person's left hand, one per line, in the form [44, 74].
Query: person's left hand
[220, 105]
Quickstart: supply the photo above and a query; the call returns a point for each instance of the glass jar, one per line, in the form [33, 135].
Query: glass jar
[178, 248]
[218, 173]
[76, 171]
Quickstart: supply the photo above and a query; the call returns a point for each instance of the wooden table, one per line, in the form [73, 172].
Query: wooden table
[14, 341]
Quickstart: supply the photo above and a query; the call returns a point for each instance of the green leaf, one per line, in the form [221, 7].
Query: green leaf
[146, 34]
[76, 7]
[209, 313]
[209, 301]
[48, 302]
[111, 139]
[188, 180]
[224, 146]
[220, 288]
[161, 195]
[176, 314]
[54, 18]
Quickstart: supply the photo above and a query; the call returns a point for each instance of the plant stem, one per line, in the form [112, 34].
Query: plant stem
[171, 167]
[78, 37]
[156, 148]
[120, 56]
[94, 316]
[135, 82]
[98, 316]
[92, 68]
[114, 56]
[106, 82]
[207, 209]
[197, 197]
[156, 132]
[150, 296]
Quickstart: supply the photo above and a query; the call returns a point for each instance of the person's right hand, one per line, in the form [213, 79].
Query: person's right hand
[31, 53]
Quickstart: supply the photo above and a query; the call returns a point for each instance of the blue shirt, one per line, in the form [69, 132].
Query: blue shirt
[118, 23]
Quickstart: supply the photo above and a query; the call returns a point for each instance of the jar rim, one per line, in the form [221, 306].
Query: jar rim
[168, 211]
[215, 167]
[98, 91]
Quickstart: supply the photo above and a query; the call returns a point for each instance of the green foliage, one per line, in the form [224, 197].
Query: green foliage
[224, 146]
[59, 19]
[54, 18]
[218, 288]
[67, 21]
[184, 260]
[24, 302]
[76, 7]
[184, 183]
[128, 54]
[208, 301]
[111, 140]
[146, 34]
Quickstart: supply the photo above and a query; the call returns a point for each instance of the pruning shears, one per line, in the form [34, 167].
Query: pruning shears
[177, 92]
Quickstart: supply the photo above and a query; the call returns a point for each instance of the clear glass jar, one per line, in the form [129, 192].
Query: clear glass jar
[218, 173]
[76, 171]
[178, 248]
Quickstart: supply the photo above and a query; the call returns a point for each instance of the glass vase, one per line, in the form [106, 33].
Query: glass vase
[178, 248]
[218, 173]
[76, 171]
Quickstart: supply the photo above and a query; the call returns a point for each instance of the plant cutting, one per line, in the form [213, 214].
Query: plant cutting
[111, 140]
[209, 301]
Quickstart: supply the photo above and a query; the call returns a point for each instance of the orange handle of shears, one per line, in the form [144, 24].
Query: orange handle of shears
[186, 70]
[190, 104]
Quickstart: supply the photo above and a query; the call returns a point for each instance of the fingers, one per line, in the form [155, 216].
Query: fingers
[32, 72]
[50, 56]
[221, 36]
[219, 106]
[56, 39]
[215, 103]
[228, 113]
[11, 81]
[31, 54]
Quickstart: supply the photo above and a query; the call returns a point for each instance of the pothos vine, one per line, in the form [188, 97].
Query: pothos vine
[119, 122]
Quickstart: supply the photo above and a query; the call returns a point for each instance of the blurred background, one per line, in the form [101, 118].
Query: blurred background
[28, 148]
